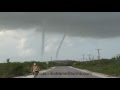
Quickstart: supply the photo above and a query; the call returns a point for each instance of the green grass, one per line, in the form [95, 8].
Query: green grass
[110, 67]
[9, 70]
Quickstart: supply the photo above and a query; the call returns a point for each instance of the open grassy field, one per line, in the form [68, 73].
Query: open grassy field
[105, 66]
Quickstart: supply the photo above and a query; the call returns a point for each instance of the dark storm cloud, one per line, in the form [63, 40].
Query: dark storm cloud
[85, 24]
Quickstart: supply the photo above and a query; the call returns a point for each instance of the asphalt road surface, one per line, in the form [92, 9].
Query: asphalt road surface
[65, 72]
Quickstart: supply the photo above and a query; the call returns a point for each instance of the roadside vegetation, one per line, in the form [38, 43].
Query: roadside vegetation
[105, 66]
[13, 69]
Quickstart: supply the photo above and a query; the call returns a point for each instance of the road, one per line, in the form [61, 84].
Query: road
[65, 72]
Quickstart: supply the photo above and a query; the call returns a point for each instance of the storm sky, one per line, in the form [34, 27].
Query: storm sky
[20, 34]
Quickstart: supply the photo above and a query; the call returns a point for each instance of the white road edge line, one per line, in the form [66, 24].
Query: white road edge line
[47, 70]
[94, 73]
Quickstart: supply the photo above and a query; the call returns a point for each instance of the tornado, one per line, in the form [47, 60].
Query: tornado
[63, 38]
[43, 43]
[43, 38]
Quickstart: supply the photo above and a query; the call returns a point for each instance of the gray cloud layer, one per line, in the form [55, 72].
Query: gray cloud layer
[85, 24]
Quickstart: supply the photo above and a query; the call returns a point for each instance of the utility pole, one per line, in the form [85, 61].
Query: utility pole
[89, 57]
[8, 60]
[98, 53]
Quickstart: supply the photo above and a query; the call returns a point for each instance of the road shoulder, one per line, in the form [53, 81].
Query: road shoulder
[94, 73]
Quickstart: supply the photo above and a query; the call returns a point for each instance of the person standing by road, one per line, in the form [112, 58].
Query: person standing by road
[35, 70]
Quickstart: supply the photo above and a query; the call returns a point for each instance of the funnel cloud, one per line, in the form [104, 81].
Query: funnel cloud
[60, 45]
